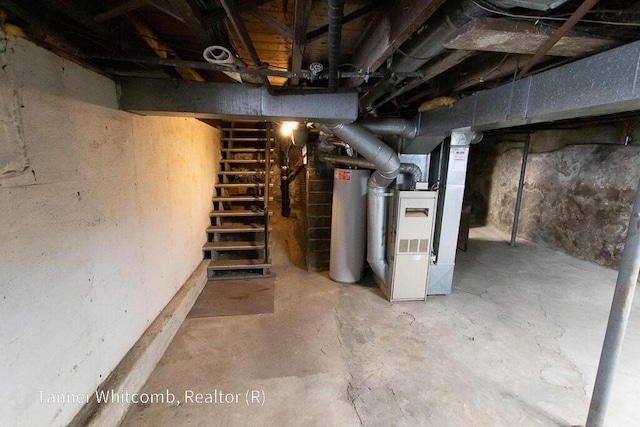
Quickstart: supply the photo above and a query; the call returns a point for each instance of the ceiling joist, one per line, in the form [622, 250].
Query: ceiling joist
[390, 30]
[273, 23]
[192, 16]
[364, 10]
[218, 14]
[300, 23]
[161, 49]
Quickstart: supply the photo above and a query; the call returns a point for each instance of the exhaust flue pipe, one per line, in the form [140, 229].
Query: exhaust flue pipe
[410, 168]
[336, 11]
[391, 126]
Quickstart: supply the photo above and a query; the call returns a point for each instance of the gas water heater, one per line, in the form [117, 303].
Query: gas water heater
[409, 244]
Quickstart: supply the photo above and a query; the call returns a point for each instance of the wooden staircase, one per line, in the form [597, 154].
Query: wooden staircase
[238, 237]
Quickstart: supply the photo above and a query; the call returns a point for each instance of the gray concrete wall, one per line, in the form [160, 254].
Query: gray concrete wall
[577, 198]
[102, 218]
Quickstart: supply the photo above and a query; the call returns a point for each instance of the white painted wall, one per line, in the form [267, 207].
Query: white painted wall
[102, 218]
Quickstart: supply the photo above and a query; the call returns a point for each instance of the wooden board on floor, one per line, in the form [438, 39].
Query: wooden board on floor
[235, 298]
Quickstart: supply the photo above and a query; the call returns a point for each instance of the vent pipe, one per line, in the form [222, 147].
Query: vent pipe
[336, 10]
[410, 168]
[387, 166]
[391, 126]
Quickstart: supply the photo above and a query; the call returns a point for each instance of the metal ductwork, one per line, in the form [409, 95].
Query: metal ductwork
[420, 49]
[391, 126]
[387, 166]
[336, 10]
[359, 162]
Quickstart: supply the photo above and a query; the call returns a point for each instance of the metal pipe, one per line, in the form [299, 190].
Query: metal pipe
[284, 188]
[523, 169]
[371, 148]
[359, 162]
[391, 126]
[618, 319]
[336, 9]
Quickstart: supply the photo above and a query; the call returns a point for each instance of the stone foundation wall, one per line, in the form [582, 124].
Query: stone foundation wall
[577, 199]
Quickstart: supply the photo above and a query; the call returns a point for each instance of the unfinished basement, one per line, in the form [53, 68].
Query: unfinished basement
[319, 212]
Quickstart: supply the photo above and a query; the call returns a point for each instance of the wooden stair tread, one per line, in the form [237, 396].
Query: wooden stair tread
[240, 199]
[241, 185]
[244, 161]
[245, 150]
[237, 264]
[233, 246]
[243, 139]
[244, 172]
[237, 213]
[236, 228]
[236, 275]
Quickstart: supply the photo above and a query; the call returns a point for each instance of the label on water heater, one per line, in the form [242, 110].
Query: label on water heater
[342, 175]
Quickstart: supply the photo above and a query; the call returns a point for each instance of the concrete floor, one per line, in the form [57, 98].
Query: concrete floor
[516, 343]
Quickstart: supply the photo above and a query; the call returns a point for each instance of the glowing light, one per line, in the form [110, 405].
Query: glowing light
[287, 128]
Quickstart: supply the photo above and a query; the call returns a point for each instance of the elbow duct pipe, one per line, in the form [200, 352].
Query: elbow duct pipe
[387, 166]
[336, 10]
[371, 148]
[392, 126]
[410, 168]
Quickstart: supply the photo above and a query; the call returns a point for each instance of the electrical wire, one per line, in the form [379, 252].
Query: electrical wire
[553, 18]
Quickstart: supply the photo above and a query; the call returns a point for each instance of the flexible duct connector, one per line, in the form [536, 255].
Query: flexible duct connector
[410, 168]
[336, 10]
[387, 166]
[392, 126]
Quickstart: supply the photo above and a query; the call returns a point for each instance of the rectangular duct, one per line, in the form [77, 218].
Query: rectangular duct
[207, 100]
[447, 226]
[606, 83]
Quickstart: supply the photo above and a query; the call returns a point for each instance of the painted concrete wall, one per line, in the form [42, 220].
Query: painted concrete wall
[577, 198]
[102, 218]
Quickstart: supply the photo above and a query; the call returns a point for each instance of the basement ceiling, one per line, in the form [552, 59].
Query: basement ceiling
[400, 56]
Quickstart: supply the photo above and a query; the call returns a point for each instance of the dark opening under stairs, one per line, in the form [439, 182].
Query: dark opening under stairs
[238, 237]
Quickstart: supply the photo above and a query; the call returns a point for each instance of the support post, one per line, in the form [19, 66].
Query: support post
[523, 170]
[284, 185]
[267, 190]
[618, 319]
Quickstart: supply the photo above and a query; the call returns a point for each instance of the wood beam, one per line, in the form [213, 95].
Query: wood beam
[582, 10]
[162, 49]
[39, 32]
[390, 30]
[434, 69]
[81, 13]
[218, 14]
[131, 5]
[165, 8]
[319, 32]
[233, 14]
[192, 16]
[300, 23]
[121, 9]
[272, 23]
